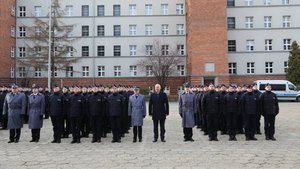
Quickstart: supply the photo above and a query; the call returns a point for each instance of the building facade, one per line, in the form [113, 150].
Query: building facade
[7, 40]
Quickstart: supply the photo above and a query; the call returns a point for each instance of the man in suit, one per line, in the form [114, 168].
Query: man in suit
[158, 110]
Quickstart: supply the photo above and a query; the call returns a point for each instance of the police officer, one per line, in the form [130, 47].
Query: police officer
[76, 106]
[115, 108]
[36, 110]
[257, 126]
[187, 111]
[269, 109]
[85, 120]
[66, 126]
[250, 109]
[14, 107]
[211, 109]
[240, 119]
[222, 118]
[96, 114]
[56, 114]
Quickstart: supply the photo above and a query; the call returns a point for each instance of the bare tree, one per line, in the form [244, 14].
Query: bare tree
[37, 43]
[161, 61]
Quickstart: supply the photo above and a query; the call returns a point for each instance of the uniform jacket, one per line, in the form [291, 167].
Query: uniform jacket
[115, 104]
[14, 107]
[56, 104]
[66, 103]
[76, 105]
[137, 109]
[36, 110]
[269, 103]
[211, 103]
[95, 103]
[250, 103]
[187, 109]
[158, 106]
[231, 103]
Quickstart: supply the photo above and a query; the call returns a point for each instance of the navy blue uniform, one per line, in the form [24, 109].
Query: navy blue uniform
[56, 114]
[76, 108]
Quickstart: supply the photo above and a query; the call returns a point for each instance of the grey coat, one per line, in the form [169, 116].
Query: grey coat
[36, 110]
[14, 106]
[187, 109]
[137, 109]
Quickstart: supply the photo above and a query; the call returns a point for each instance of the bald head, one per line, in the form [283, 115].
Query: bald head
[157, 88]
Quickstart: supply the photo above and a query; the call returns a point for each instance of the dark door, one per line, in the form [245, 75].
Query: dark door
[209, 80]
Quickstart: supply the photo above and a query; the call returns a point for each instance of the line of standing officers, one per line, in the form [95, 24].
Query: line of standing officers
[232, 109]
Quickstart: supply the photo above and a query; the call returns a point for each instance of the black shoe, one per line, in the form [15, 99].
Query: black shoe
[58, 141]
[134, 141]
[113, 141]
[32, 141]
[247, 139]
[163, 140]
[94, 141]
[119, 141]
[216, 139]
[234, 139]
[273, 138]
[11, 141]
[192, 140]
[267, 138]
[74, 141]
[210, 139]
[205, 133]
[140, 140]
[258, 132]
[86, 136]
[16, 141]
[154, 141]
[54, 141]
[78, 141]
[99, 141]
[185, 140]
[254, 139]
[122, 135]
[223, 132]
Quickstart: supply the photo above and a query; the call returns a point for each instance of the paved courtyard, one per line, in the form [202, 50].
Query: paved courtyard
[283, 153]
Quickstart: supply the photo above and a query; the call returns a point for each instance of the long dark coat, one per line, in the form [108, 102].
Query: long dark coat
[187, 109]
[158, 106]
[36, 110]
[137, 109]
[14, 106]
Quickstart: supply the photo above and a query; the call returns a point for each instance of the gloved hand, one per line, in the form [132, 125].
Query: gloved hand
[41, 117]
[144, 116]
[180, 115]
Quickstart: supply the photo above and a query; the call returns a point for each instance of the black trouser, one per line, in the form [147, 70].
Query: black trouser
[75, 125]
[14, 134]
[231, 120]
[137, 130]
[57, 122]
[115, 122]
[269, 125]
[204, 123]
[162, 128]
[85, 125]
[250, 120]
[188, 133]
[35, 134]
[124, 123]
[106, 125]
[240, 123]
[257, 126]
[212, 125]
[66, 126]
[96, 127]
[4, 121]
[222, 123]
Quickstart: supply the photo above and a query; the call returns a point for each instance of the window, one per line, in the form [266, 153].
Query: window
[22, 52]
[269, 67]
[38, 31]
[285, 2]
[69, 10]
[149, 70]
[85, 71]
[100, 10]
[149, 50]
[54, 71]
[133, 70]
[117, 50]
[85, 51]
[250, 45]
[101, 30]
[70, 51]
[148, 30]
[12, 52]
[132, 9]
[101, 71]
[22, 31]
[249, 22]
[38, 72]
[164, 9]
[287, 44]
[85, 31]
[267, 2]
[286, 21]
[69, 71]
[248, 2]
[148, 9]
[286, 66]
[164, 29]
[38, 49]
[117, 10]
[230, 3]
[180, 70]
[132, 30]
[22, 11]
[250, 67]
[209, 67]
[179, 9]
[268, 21]
[101, 51]
[12, 72]
[268, 44]
[232, 68]
[12, 31]
[117, 30]
[165, 50]
[22, 72]
[85, 10]
[231, 22]
[231, 45]
[37, 11]
[13, 10]
[117, 71]
[180, 29]
[132, 50]
[180, 50]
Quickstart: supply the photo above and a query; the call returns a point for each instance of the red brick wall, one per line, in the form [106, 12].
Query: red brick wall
[6, 41]
[207, 38]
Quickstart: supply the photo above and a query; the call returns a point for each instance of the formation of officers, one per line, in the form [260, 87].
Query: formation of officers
[81, 111]
[99, 110]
